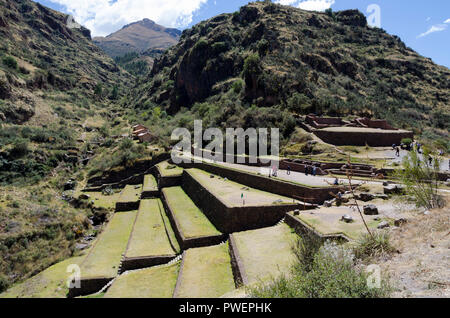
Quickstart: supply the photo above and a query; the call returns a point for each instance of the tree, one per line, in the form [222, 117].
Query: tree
[421, 179]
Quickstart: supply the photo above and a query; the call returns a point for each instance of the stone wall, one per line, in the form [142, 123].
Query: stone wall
[233, 219]
[301, 228]
[276, 186]
[133, 263]
[89, 286]
[187, 243]
[361, 138]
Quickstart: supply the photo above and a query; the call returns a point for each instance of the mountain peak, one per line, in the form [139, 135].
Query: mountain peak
[138, 37]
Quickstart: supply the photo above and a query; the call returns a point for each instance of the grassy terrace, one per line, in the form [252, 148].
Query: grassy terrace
[150, 183]
[192, 221]
[104, 259]
[103, 201]
[149, 236]
[267, 252]
[155, 282]
[230, 192]
[130, 193]
[51, 283]
[168, 170]
[328, 221]
[206, 273]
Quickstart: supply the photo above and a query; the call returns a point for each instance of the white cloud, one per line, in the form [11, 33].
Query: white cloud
[103, 17]
[310, 5]
[447, 21]
[433, 29]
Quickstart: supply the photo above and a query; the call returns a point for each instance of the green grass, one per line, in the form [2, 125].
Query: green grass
[168, 170]
[103, 201]
[130, 193]
[328, 222]
[192, 221]
[51, 283]
[105, 257]
[230, 192]
[155, 282]
[149, 236]
[206, 273]
[150, 183]
[266, 253]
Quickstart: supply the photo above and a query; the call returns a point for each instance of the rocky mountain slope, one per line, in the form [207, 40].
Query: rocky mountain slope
[281, 58]
[138, 37]
[40, 52]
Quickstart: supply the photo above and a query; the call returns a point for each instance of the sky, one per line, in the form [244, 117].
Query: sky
[423, 25]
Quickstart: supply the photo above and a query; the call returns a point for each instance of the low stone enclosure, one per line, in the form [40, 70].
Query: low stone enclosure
[360, 132]
[209, 213]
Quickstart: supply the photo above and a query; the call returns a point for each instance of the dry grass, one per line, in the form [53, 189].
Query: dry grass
[421, 270]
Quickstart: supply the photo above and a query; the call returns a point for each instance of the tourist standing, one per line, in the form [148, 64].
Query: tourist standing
[289, 170]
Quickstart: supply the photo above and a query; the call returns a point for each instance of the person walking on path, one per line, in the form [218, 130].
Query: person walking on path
[289, 170]
[314, 171]
[306, 170]
[397, 151]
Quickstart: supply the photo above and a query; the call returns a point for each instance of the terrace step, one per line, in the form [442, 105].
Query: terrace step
[233, 207]
[205, 273]
[258, 255]
[192, 228]
[150, 187]
[155, 282]
[129, 198]
[102, 263]
[152, 241]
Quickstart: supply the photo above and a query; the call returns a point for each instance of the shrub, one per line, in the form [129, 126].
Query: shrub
[4, 283]
[373, 246]
[20, 148]
[327, 272]
[407, 141]
[421, 180]
[237, 86]
[11, 62]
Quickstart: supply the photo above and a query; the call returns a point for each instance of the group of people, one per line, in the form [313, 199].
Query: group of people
[310, 170]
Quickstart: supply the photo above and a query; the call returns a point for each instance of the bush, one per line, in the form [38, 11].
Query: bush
[11, 62]
[421, 180]
[4, 283]
[327, 272]
[373, 246]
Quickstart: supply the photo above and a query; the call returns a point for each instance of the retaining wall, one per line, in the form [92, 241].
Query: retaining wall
[133, 263]
[187, 243]
[233, 219]
[361, 138]
[301, 228]
[276, 186]
[89, 286]
[237, 266]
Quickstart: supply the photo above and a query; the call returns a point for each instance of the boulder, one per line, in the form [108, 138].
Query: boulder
[297, 212]
[347, 218]
[70, 185]
[366, 197]
[370, 209]
[327, 204]
[81, 246]
[381, 196]
[393, 189]
[84, 196]
[400, 222]
[383, 225]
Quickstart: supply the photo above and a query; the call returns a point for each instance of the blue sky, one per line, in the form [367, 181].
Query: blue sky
[422, 25]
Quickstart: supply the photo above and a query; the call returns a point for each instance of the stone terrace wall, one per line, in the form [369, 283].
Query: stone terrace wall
[138, 171]
[233, 219]
[276, 186]
[360, 138]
